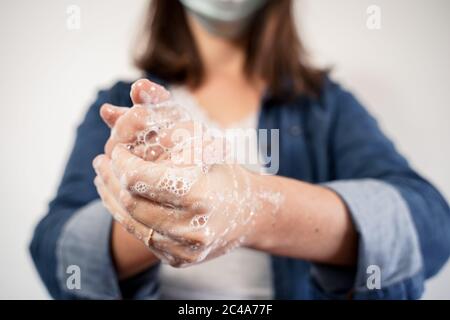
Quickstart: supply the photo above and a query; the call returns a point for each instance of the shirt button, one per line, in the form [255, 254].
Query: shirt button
[295, 130]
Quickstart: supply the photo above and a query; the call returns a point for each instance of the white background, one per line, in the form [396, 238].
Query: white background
[49, 75]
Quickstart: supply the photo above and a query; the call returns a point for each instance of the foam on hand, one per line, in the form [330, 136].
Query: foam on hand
[215, 214]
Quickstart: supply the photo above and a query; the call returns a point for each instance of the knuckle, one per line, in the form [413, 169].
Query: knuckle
[129, 226]
[176, 263]
[200, 240]
[141, 188]
[135, 118]
[106, 177]
[181, 261]
[109, 146]
[97, 161]
[199, 256]
[189, 257]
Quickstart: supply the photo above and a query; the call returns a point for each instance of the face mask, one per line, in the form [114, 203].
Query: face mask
[227, 18]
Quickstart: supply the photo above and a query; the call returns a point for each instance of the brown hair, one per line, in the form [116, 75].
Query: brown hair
[274, 51]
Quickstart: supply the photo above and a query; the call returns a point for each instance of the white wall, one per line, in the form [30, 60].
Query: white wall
[49, 74]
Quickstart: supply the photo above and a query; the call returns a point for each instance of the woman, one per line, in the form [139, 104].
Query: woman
[344, 202]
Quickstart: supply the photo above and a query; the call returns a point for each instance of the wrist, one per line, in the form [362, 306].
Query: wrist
[267, 195]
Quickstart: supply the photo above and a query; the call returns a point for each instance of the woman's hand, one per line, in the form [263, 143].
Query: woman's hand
[194, 215]
[176, 185]
[128, 253]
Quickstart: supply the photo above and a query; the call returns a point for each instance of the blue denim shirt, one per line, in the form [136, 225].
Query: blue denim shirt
[402, 221]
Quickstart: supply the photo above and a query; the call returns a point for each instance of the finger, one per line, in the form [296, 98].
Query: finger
[164, 256]
[127, 127]
[140, 231]
[159, 182]
[144, 91]
[151, 127]
[149, 152]
[110, 113]
[175, 253]
[103, 167]
[155, 144]
[189, 143]
[164, 219]
[109, 201]
[172, 249]
[167, 219]
[188, 226]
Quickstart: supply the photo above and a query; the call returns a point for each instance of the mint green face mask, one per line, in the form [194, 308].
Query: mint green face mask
[226, 18]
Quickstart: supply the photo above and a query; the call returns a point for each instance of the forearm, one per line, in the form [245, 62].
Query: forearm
[130, 255]
[312, 223]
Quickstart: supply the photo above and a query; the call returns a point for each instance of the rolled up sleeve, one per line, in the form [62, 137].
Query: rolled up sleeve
[85, 244]
[387, 237]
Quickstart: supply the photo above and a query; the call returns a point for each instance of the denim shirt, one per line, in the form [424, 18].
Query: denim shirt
[403, 222]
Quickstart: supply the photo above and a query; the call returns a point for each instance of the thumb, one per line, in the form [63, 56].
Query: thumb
[144, 91]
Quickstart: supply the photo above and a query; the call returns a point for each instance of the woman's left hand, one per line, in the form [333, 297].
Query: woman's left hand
[185, 215]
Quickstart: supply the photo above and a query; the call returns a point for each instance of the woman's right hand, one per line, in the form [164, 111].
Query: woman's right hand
[174, 138]
[129, 254]
[126, 123]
